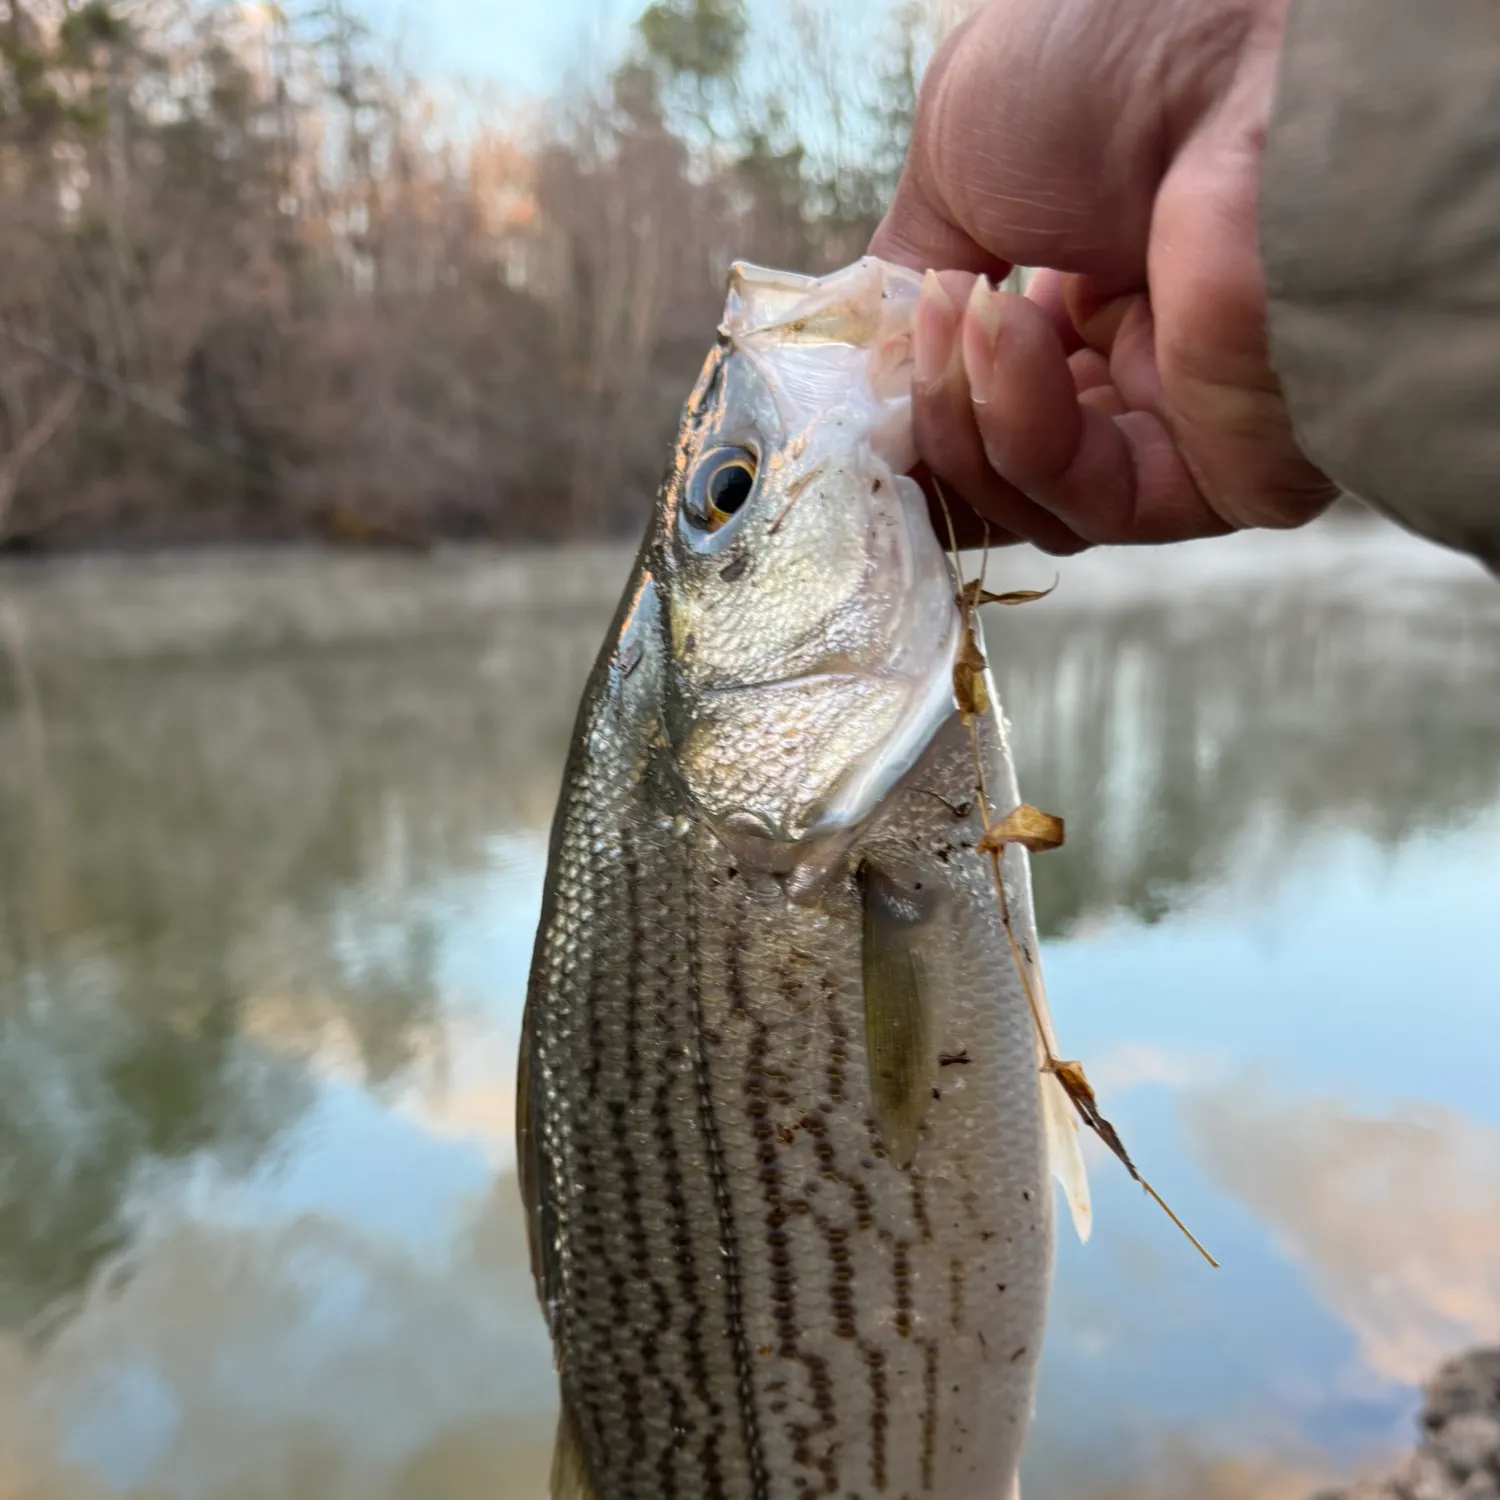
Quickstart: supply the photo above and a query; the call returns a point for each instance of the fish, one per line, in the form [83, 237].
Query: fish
[784, 1123]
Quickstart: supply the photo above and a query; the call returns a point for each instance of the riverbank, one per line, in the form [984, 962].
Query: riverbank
[1458, 1454]
[202, 600]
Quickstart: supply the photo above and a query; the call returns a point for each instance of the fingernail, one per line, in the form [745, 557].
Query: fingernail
[981, 331]
[934, 323]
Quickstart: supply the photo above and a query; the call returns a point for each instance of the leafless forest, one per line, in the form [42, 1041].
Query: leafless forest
[258, 279]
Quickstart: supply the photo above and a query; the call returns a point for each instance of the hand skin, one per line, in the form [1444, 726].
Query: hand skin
[1129, 396]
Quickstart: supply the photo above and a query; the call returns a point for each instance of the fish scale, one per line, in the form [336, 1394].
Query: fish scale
[784, 1142]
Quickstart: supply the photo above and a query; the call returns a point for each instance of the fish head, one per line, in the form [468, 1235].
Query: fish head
[810, 612]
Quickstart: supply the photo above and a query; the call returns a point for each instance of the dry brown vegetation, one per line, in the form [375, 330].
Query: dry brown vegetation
[253, 284]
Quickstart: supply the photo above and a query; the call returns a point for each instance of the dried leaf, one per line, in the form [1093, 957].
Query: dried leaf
[968, 678]
[1086, 1102]
[1027, 826]
[974, 593]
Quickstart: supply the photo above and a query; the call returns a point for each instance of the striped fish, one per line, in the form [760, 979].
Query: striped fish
[784, 1139]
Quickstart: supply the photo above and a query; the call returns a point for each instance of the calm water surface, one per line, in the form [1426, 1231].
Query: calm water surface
[271, 849]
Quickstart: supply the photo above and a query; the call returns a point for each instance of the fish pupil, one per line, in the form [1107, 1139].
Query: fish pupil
[730, 487]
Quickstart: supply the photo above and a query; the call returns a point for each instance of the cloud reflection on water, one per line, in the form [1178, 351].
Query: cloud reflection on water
[302, 1360]
[1395, 1217]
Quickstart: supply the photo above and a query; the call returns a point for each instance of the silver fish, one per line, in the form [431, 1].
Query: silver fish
[783, 1133]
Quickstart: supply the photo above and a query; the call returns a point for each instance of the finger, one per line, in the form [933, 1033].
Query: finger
[1025, 402]
[1228, 423]
[1104, 398]
[953, 519]
[934, 326]
[1122, 331]
[1127, 482]
[1110, 474]
[947, 434]
[1094, 384]
[935, 321]
[1089, 370]
[1230, 415]
[914, 233]
[1048, 290]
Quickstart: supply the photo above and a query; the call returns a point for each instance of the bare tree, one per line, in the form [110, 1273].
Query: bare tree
[353, 311]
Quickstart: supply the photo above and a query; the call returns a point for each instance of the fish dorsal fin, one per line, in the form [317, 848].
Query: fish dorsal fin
[902, 954]
[570, 1474]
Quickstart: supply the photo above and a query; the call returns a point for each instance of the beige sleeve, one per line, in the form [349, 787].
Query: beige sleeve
[1380, 233]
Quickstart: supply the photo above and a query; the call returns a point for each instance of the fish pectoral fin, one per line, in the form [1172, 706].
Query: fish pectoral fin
[1059, 1118]
[570, 1474]
[1065, 1153]
[901, 957]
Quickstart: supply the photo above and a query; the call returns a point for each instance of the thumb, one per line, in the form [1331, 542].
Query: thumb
[1044, 127]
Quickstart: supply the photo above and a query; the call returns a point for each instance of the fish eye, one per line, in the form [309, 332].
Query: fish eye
[719, 486]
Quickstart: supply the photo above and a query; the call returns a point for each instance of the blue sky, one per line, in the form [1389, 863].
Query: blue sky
[525, 46]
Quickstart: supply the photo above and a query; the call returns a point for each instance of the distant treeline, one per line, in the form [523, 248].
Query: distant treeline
[258, 280]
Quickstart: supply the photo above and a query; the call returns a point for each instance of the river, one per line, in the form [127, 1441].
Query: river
[272, 832]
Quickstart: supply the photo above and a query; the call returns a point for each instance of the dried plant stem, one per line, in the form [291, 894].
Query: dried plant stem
[1070, 1075]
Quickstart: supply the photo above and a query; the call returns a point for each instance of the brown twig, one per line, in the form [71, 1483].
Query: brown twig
[973, 698]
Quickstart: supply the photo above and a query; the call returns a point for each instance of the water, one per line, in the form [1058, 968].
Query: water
[272, 835]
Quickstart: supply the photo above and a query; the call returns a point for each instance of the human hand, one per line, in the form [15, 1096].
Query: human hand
[1129, 396]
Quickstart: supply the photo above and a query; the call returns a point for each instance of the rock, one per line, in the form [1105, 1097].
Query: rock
[1467, 1442]
[1458, 1455]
